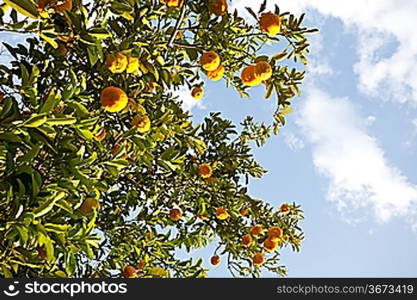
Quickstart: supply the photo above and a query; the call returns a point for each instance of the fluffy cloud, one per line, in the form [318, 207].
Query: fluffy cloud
[292, 141]
[380, 25]
[360, 175]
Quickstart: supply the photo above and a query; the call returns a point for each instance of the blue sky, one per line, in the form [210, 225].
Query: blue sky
[348, 153]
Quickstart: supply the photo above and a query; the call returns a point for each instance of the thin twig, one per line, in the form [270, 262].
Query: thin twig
[178, 24]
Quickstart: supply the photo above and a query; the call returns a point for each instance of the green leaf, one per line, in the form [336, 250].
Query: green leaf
[25, 7]
[35, 121]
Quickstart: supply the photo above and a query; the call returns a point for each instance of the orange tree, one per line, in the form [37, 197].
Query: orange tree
[102, 173]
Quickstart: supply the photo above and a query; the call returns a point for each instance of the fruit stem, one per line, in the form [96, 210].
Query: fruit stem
[178, 24]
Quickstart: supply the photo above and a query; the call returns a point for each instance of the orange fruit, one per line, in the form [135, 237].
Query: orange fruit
[142, 123]
[217, 74]
[203, 217]
[205, 170]
[65, 6]
[113, 99]
[210, 61]
[284, 207]
[132, 64]
[274, 232]
[211, 179]
[175, 214]
[129, 272]
[215, 260]
[221, 213]
[270, 23]
[246, 240]
[173, 3]
[197, 92]
[218, 7]
[243, 212]
[258, 259]
[270, 244]
[264, 70]
[257, 230]
[249, 76]
[117, 62]
[41, 252]
[89, 205]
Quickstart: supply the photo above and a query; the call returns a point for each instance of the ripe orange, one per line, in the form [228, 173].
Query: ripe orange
[117, 62]
[215, 260]
[141, 264]
[246, 240]
[249, 76]
[89, 205]
[66, 6]
[205, 170]
[284, 207]
[274, 232]
[264, 70]
[41, 252]
[142, 123]
[258, 259]
[270, 23]
[211, 179]
[210, 61]
[221, 213]
[217, 74]
[132, 64]
[197, 92]
[173, 3]
[243, 212]
[175, 214]
[113, 99]
[257, 230]
[270, 244]
[218, 7]
[129, 272]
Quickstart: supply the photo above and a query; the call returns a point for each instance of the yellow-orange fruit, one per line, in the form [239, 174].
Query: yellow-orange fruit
[197, 92]
[129, 272]
[221, 213]
[218, 7]
[284, 207]
[41, 252]
[89, 205]
[210, 61]
[270, 244]
[142, 123]
[215, 260]
[274, 232]
[249, 76]
[173, 3]
[117, 62]
[65, 6]
[258, 259]
[270, 23]
[246, 240]
[132, 64]
[113, 99]
[257, 230]
[175, 214]
[205, 170]
[264, 70]
[203, 217]
[217, 74]
[243, 212]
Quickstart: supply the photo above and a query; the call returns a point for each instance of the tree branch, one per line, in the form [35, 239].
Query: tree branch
[178, 24]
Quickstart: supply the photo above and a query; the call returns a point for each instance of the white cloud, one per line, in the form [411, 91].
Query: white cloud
[188, 102]
[361, 177]
[414, 122]
[292, 141]
[378, 23]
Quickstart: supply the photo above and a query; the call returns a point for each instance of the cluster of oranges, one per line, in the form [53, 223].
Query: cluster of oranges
[253, 75]
[118, 63]
[271, 240]
[217, 7]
